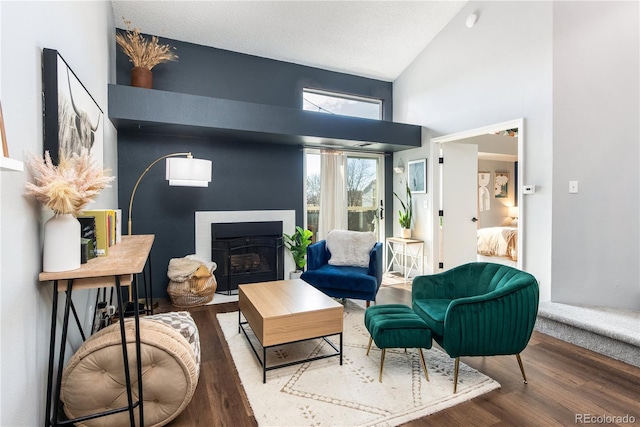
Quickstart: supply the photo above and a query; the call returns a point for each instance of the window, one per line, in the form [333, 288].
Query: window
[364, 184]
[337, 103]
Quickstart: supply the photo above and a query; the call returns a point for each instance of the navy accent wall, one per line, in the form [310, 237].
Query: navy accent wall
[207, 71]
[246, 175]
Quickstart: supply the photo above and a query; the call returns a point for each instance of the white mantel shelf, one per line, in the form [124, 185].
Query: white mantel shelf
[9, 164]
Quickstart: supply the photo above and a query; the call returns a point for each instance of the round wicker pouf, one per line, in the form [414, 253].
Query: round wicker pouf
[93, 380]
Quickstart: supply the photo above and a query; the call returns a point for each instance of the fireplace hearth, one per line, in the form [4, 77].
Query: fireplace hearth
[247, 252]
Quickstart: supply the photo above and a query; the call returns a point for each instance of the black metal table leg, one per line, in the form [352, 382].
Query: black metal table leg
[52, 346]
[136, 314]
[150, 294]
[264, 365]
[125, 356]
[63, 340]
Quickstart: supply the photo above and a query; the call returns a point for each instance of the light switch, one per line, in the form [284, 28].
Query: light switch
[573, 187]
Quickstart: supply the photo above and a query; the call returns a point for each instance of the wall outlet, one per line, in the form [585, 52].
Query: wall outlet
[573, 187]
[529, 189]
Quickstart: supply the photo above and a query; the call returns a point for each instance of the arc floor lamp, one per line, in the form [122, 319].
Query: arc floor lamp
[180, 171]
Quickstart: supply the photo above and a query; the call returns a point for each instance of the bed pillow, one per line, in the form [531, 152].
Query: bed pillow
[350, 247]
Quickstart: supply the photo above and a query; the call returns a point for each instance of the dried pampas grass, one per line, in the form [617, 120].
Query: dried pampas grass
[69, 186]
[143, 52]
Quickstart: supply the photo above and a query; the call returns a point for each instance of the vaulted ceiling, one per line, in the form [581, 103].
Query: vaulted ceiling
[376, 39]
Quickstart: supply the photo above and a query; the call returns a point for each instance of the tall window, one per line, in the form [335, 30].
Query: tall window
[363, 184]
[338, 103]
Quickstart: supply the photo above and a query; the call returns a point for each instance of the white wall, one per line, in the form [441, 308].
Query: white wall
[596, 135]
[570, 69]
[497, 71]
[83, 33]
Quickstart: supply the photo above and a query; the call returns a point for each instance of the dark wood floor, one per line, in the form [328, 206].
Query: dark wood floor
[564, 380]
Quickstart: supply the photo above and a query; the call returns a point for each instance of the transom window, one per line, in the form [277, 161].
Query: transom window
[343, 104]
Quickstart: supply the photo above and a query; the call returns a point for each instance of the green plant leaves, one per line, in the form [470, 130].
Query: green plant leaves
[297, 244]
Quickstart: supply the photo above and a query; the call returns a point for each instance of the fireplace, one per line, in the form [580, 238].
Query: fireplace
[247, 252]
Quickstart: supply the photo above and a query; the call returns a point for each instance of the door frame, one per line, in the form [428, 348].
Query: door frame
[511, 124]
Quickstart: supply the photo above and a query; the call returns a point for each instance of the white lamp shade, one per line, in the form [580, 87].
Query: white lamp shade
[513, 212]
[188, 172]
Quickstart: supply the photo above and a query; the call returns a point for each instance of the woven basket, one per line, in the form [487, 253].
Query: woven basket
[192, 292]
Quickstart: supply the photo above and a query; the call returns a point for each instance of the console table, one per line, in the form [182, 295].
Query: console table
[402, 250]
[120, 268]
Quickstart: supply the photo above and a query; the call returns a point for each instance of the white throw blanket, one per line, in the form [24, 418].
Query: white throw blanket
[182, 269]
[350, 248]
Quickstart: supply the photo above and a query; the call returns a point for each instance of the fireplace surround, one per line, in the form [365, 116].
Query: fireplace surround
[204, 219]
[247, 252]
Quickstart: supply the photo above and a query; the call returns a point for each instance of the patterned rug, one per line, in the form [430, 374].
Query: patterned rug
[323, 393]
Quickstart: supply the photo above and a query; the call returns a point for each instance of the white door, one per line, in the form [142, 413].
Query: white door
[459, 204]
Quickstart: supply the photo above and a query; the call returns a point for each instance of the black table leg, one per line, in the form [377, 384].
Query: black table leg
[63, 340]
[52, 346]
[136, 313]
[125, 356]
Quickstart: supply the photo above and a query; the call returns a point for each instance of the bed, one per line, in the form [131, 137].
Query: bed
[498, 245]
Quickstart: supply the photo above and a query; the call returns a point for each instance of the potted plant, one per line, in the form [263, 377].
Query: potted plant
[297, 244]
[144, 54]
[66, 189]
[405, 215]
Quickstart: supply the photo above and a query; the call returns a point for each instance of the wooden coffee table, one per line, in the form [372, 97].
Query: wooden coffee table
[287, 311]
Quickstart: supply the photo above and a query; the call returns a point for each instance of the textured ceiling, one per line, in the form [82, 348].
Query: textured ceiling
[376, 39]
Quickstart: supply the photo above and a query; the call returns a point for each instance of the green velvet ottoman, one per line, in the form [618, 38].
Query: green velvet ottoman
[397, 326]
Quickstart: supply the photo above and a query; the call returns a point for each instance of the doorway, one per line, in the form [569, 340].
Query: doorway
[364, 181]
[457, 238]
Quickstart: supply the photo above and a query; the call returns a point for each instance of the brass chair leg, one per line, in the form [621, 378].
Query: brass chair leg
[524, 377]
[382, 363]
[424, 365]
[368, 303]
[369, 348]
[455, 375]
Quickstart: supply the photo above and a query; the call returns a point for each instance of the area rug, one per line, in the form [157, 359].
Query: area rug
[324, 393]
[223, 298]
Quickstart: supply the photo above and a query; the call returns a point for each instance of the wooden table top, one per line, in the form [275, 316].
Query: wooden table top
[125, 258]
[286, 297]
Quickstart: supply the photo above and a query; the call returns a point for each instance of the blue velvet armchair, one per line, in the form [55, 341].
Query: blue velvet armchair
[343, 281]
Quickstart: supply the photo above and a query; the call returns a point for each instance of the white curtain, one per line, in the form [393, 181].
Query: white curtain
[333, 192]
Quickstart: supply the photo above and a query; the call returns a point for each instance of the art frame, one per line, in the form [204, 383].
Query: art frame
[417, 176]
[73, 120]
[501, 185]
[484, 196]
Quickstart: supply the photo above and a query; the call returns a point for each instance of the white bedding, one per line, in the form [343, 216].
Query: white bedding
[499, 242]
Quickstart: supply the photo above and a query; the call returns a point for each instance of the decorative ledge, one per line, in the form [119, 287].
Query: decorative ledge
[8, 164]
[138, 110]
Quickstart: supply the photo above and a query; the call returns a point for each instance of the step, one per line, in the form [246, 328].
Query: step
[609, 331]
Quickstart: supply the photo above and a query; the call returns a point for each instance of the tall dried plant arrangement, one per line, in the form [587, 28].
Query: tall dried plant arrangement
[68, 187]
[143, 52]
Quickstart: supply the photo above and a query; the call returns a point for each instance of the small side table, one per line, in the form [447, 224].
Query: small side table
[120, 268]
[402, 250]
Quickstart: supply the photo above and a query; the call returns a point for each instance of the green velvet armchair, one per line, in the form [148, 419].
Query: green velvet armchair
[478, 309]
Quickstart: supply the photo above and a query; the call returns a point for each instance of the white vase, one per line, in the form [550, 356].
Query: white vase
[295, 274]
[406, 233]
[61, 250]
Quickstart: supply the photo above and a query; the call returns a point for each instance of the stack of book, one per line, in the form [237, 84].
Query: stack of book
[103, 229]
